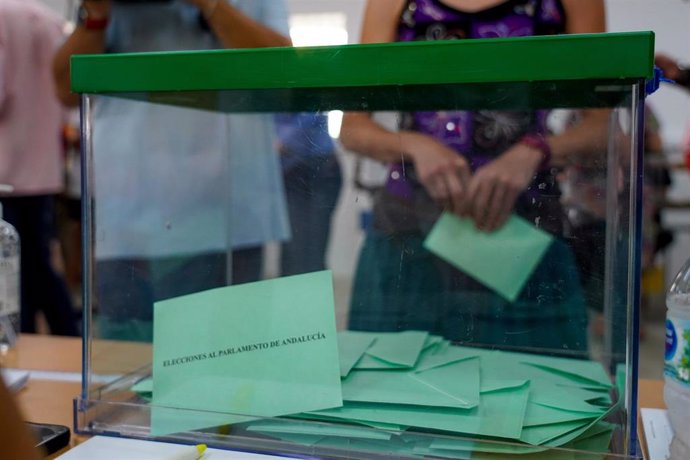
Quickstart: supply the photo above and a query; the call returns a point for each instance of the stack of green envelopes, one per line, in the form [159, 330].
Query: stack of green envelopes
[427, 397]
[414, 394]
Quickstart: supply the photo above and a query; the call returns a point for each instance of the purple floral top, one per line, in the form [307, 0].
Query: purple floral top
[479, 136]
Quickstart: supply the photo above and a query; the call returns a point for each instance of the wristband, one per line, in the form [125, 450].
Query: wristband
[90, 23]
[538, 141]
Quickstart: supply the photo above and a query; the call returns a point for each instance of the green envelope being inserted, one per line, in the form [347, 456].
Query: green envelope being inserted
[502, 260]
[259, 350]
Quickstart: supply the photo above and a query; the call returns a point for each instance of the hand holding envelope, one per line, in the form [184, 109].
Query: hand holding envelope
[502, 260]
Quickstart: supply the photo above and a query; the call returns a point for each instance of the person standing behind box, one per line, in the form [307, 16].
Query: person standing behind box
[161, 234]
[483, 165]
[312, 184]
[31, 156]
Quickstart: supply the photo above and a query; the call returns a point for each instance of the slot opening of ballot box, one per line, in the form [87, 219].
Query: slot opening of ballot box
[451, 275]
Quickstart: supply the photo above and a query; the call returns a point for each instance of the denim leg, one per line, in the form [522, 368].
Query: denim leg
[128, 288]
[312, 190]
[42, 288]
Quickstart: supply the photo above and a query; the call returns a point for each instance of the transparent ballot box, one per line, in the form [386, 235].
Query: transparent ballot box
[400, 250]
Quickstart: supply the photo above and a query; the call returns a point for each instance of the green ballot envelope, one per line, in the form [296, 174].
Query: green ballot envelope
[255, 350]
[351, 347]
[394, 350]
[502, 260]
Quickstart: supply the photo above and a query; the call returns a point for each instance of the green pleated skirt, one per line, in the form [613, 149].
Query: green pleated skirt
[399, 285]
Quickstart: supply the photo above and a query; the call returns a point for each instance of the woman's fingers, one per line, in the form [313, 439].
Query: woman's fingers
[445, 175]
[495, 208]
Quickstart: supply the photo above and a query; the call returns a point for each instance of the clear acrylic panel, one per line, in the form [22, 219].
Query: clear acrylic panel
[523, 339]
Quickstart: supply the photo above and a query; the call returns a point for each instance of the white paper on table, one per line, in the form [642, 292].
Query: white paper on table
[657, 432]
[15, 379]
[106, 448]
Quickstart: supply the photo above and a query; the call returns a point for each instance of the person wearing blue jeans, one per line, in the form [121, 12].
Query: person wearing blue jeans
[31, 164]
[313, 179]
[42, 289]
[176, 190]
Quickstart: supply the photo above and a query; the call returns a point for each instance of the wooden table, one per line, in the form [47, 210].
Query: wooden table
[46, 401]
[44, 353]
[51, 401]
[651, 394]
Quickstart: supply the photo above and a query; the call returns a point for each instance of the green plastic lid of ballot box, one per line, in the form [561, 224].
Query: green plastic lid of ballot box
[591, 70]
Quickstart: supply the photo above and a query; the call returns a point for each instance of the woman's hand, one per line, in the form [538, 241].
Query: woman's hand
[668, 65]
[493, 189]
[443, 173]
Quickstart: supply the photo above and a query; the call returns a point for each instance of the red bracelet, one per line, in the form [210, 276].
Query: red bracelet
[538, 141]
[89, 23]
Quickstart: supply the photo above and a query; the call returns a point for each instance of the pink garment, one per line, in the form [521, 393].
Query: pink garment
[30, 114]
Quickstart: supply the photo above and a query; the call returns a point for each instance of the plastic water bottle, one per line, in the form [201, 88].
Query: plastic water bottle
[677, 362]
[9, 285]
